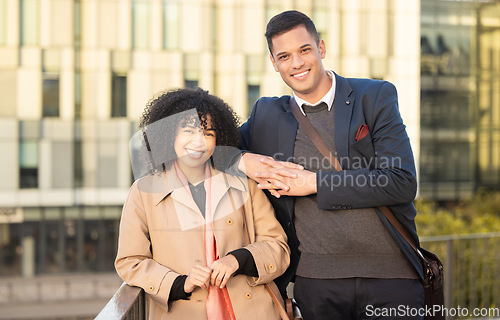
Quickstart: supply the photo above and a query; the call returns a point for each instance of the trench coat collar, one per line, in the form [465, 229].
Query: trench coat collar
[167, 183]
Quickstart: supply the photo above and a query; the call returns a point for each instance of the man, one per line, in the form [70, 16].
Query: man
[353, 263]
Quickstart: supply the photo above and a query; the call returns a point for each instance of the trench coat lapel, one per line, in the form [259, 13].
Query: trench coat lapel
[179, 193]
[168, 184]
[221, 183]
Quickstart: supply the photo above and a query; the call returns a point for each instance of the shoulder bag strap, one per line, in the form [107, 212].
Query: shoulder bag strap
[316, 139]
[313, 135]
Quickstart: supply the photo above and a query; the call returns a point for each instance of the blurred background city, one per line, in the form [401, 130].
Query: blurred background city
[75, 76]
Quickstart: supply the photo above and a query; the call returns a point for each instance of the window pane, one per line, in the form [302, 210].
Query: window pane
[50, 103]
[10, 250]
[140, 23]
[32, 249]
[77, 24]
[78, 94]
[190, 84]
[191, 70]
[119, 96]
[71, 245]
[108, 162]
[91, 243]
[272, 9]
[28, 163]
[253, 93]
[170, 25]
[3, 22]
[110, 237]
[320, 19]
[53, 256]
[62, 165]
[29, 22]
[28, 157]
[78, 164]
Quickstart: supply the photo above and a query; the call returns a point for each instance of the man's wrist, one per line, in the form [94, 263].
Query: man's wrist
[241, 164]
[313, 185]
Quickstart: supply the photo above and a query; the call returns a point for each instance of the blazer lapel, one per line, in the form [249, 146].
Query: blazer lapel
[287, 128]
[343, 106]
[287, 132]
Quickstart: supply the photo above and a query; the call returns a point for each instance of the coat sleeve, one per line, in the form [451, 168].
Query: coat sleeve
[134, 261]
[392, 178]
[268, 246]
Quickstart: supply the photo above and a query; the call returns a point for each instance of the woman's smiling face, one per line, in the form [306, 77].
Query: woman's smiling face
[194, 142]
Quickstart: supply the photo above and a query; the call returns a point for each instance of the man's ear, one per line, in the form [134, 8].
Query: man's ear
[322, 49]
[273, 62]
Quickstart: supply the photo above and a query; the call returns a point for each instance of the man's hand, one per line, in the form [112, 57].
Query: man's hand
[222, 270]
[269, 173]
[305, 184]
[198, 277]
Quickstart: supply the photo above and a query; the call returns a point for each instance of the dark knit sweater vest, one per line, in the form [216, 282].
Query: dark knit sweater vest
[340, 243]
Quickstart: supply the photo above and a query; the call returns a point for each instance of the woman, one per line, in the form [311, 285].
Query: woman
[200, 242]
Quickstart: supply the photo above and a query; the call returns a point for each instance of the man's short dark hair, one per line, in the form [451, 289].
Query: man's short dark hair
[287, 21]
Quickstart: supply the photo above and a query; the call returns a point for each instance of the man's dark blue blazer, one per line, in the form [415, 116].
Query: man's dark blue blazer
[379, 169]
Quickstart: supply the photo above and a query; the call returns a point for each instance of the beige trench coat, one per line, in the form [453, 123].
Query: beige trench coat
[161, 237]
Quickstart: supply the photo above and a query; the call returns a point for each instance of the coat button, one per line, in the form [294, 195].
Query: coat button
[229, 221]
[151, 288]
[271, 267]
[248, 295]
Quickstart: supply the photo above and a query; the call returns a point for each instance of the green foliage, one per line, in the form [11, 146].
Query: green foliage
[479, 214]
[470, 263]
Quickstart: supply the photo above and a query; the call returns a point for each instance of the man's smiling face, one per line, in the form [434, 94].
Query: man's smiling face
[298, 59]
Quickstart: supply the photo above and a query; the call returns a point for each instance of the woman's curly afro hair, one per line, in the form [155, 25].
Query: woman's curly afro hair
[177, 107]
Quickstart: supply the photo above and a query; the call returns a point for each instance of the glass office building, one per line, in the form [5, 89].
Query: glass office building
[75, 76]
[460, 98]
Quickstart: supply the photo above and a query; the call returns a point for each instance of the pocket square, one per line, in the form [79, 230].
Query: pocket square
[362, 132]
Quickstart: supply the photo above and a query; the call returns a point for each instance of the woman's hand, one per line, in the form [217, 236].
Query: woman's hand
[198, 277]
[222, 270]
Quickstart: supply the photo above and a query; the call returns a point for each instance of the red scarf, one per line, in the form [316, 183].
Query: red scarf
[219, 305]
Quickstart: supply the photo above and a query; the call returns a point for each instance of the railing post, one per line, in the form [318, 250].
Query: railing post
[449, 274]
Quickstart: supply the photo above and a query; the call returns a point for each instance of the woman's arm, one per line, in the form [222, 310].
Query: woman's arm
[134, 261]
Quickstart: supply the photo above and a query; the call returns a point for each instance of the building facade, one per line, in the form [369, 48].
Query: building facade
[460, 98]
[75, 76]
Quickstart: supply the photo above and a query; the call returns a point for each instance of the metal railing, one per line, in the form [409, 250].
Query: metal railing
[472, 269]
[471, 265]
[127, 303]
[56, 296]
